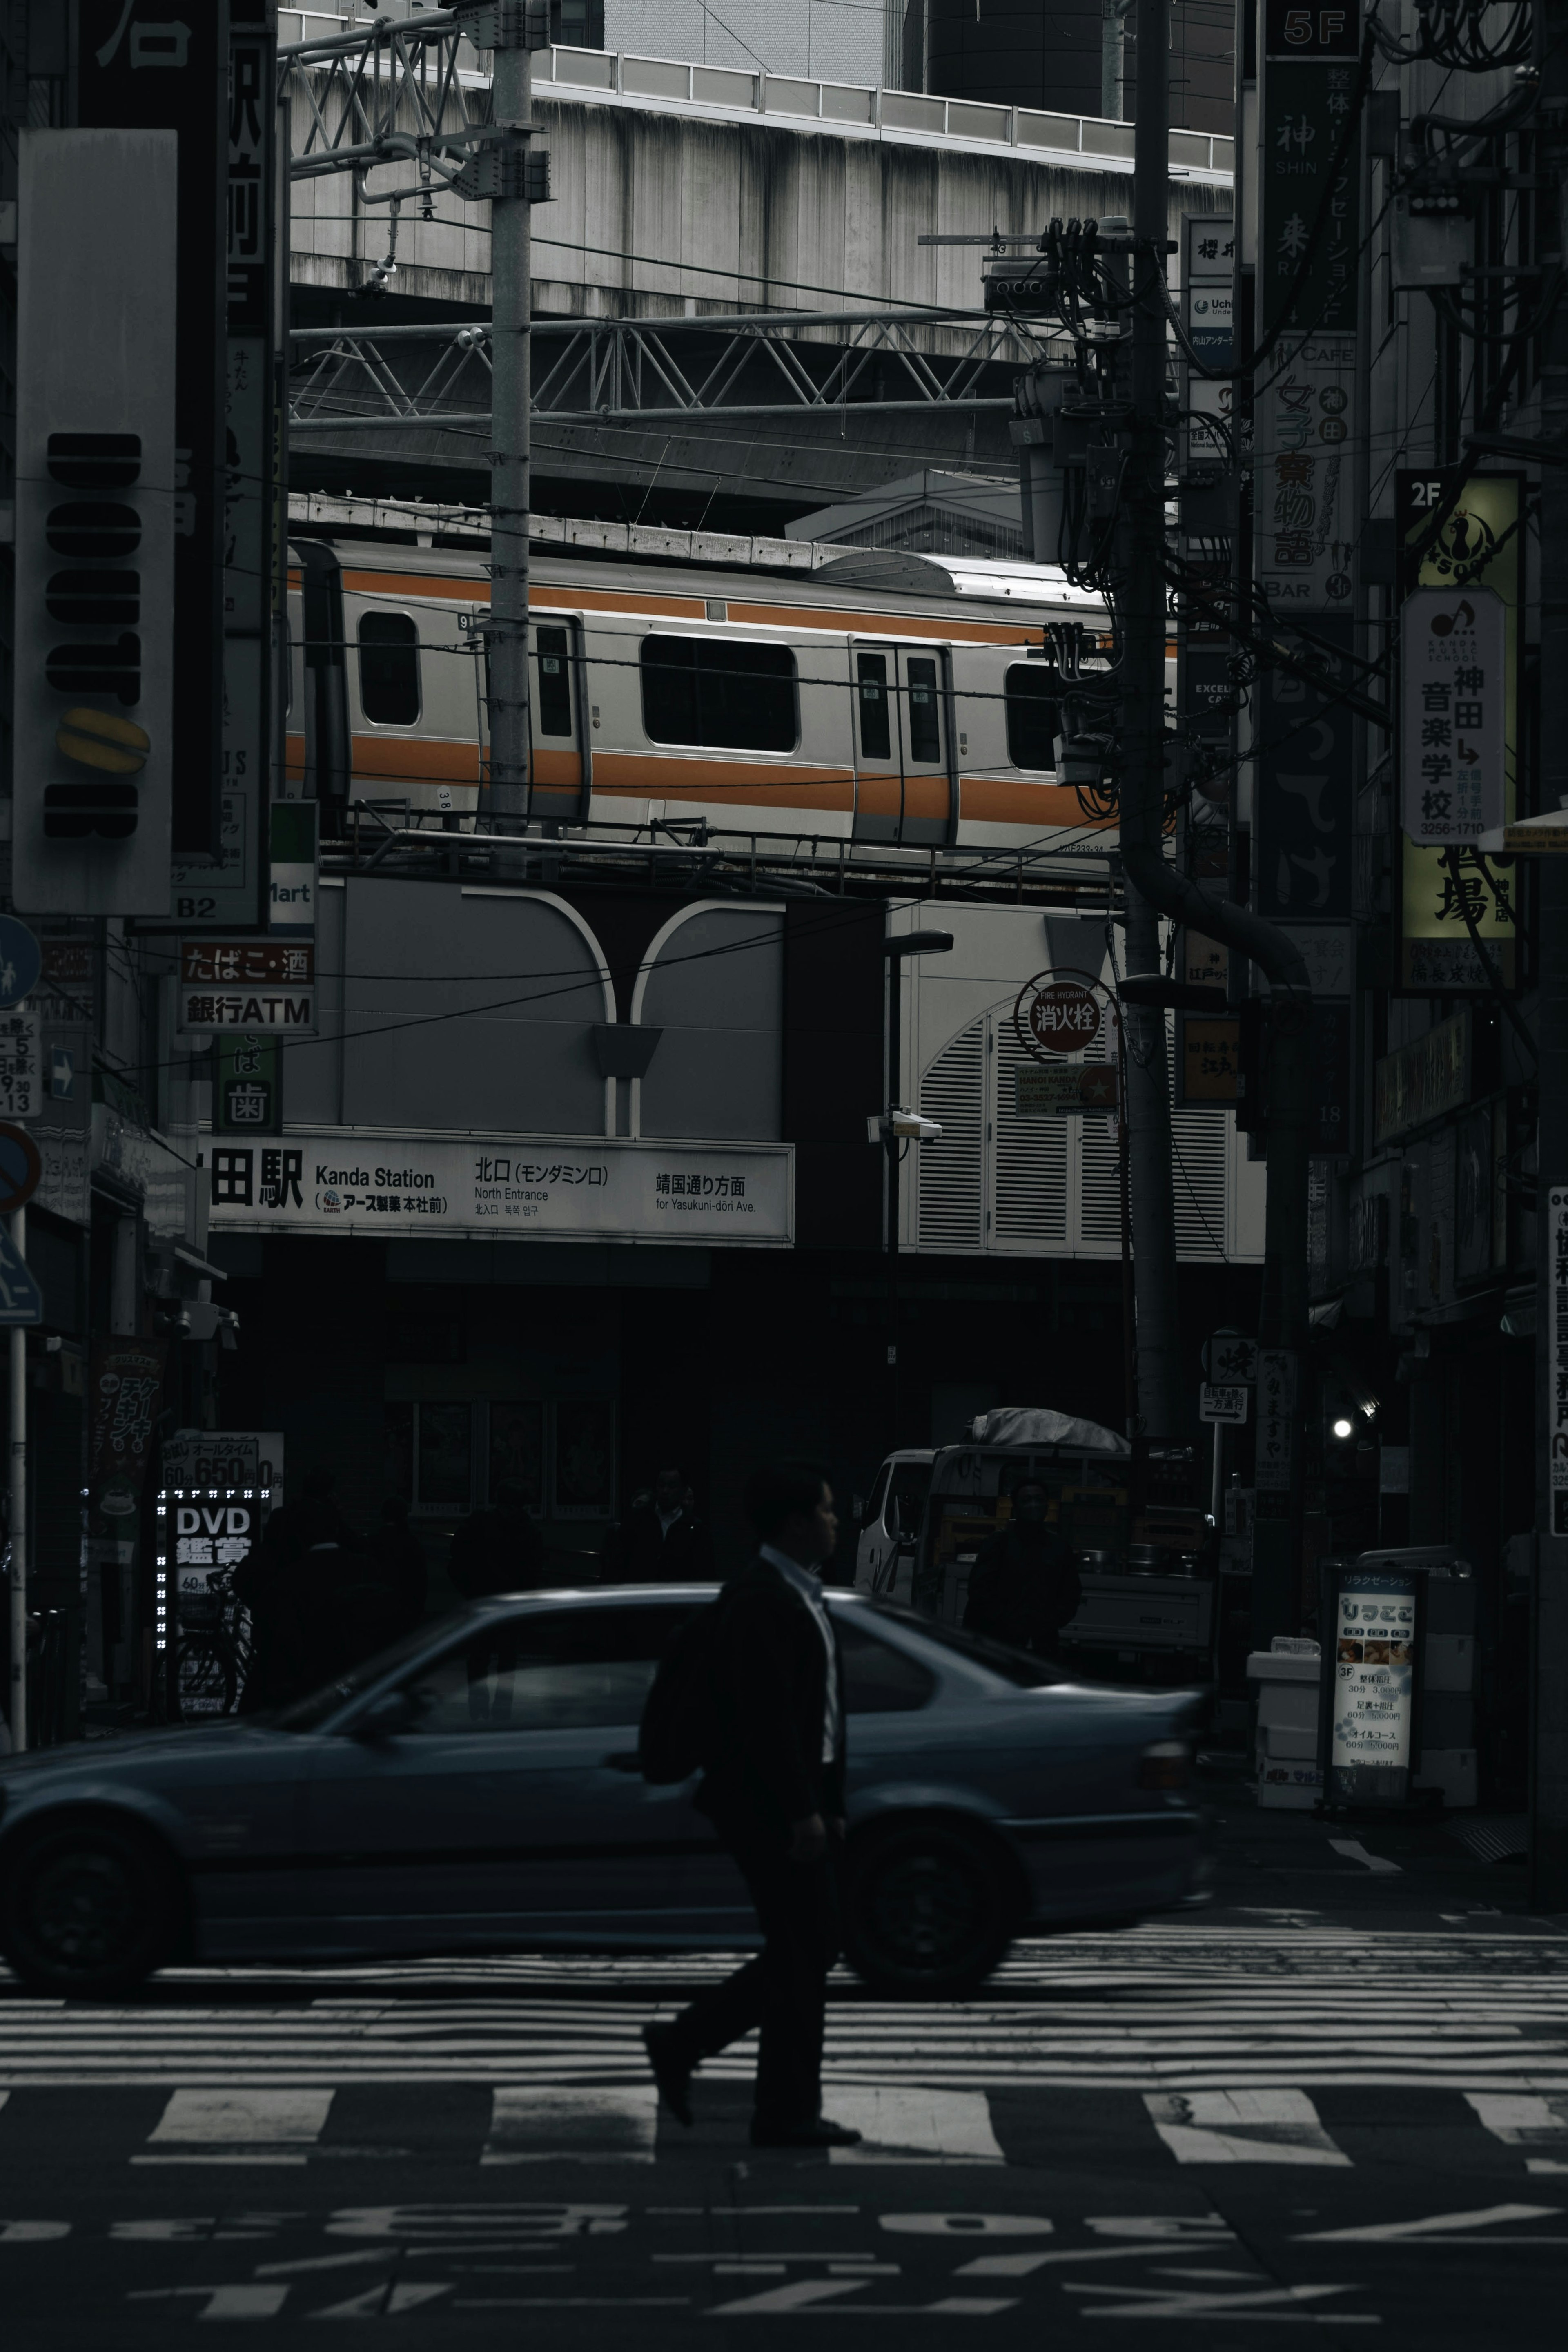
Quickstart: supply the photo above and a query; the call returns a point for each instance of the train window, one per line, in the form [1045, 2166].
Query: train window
[554, 682]
[925, 729]
[389, 668]
[871, 693]
[738, 698]
[1032, 715]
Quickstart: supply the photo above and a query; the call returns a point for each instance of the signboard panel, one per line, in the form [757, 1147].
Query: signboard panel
[174, 75]
[1303, 428]
[1305, 820]
[97, 728]
[125, 1393]
[1210, 1059]
[222, 895]
[353, 1180]
[257, 985]
[1372, 1698]
[1455, 548]
[1420, 1081]
[1277, 1376]
[247, 1096]
[21, 1089]
[1453, 672]
[1226, 1405]
[1080, 1087]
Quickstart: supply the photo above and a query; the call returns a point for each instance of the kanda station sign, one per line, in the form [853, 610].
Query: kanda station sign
[1057, 1015]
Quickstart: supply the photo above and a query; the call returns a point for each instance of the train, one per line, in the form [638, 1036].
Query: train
[910, 704]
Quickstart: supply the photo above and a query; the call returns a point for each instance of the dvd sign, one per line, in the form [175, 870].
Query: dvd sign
[1056, 1016]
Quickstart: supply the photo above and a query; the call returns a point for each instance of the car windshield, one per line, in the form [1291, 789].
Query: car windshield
[310, 1714]
[1020, 1667]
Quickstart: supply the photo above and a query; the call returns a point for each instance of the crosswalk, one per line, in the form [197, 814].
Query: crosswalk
[258, 2128]
[1199, 2047]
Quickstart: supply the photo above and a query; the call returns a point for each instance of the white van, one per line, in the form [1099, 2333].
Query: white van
[890, 1529]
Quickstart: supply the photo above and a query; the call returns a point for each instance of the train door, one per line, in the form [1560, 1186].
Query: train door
[561, 761]
[905, 783]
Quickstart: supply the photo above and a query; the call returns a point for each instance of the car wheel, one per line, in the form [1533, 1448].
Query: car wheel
[90, 1908]
[928, 1909]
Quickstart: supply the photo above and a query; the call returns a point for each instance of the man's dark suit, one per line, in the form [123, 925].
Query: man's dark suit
[769, 1772]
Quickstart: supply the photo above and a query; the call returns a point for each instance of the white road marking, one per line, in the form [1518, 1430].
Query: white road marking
[237, 2127]
[380, 2302]
[539, 2124]
[1167, 2303]
[1520, 2120]
[1277, 2127]
[1356, 1851]
[916, 2125]
[1481, 2217]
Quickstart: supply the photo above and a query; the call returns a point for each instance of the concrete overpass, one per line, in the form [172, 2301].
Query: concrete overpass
[682, 190]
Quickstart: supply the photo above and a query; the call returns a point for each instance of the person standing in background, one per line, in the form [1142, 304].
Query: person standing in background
[1024, 1585]
[661, 1540]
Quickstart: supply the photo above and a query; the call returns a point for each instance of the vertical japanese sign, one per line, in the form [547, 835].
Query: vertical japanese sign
[125, 1389]
[1460, 565]
[249, 445]
[1304, 814]
[1308, 170]
[1453, 663]
[1303, 417]
[1208, 272]
[173, 74]
[1277, 1376]
[65, 998]
[248, 1098]
[1557, 1357]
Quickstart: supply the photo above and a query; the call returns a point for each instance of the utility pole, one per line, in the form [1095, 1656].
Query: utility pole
[17, 1511]
[513, 177]
[1141, 562]
[898, 1129]
[1549, 1630]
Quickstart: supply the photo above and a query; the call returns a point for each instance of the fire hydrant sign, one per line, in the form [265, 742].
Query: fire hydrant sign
[257, 985]
[1454, 658]
[1054, 1015]
[1374, 1683]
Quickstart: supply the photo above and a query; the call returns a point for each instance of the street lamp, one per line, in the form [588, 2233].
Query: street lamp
[900, 1124]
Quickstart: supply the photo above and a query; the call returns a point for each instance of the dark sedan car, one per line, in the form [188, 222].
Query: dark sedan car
[476, 1788]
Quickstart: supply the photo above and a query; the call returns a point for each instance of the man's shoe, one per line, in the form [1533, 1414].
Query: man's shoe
[817, 2133]
[673, 2078]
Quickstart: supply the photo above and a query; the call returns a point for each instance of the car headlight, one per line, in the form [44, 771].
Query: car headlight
[1166, 1764]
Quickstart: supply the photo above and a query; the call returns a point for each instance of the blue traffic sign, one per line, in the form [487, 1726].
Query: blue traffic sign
[21, 961]
[21, 1300]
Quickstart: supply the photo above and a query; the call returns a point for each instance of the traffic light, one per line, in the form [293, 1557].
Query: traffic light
[95, 519]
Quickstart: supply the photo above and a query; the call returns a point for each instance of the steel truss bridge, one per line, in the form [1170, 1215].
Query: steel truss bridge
[651, 371]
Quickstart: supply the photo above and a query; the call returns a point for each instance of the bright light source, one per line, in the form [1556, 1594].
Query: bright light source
[1344, 1428]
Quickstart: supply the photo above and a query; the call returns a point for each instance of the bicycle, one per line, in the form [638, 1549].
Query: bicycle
[212, 1654]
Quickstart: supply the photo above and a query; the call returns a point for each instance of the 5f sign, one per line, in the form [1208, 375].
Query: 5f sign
[95, 521]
